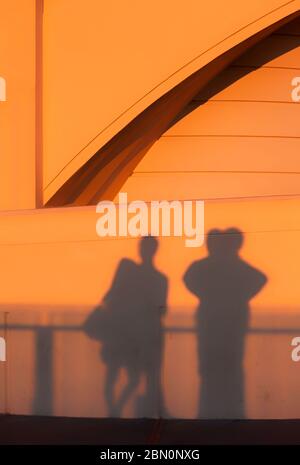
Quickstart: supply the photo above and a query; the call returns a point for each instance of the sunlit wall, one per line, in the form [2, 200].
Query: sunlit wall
[237, 148]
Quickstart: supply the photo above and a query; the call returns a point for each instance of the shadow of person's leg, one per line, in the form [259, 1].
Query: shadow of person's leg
[109, 388]
[133, 381]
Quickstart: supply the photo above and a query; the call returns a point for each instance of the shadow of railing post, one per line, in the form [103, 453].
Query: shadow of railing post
[43, 398]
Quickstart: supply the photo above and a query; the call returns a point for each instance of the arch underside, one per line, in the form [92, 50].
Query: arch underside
[103, 175]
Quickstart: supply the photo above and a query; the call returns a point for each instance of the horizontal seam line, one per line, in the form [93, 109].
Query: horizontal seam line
[118, 238]
[263, 67]
[214, 100]
[231, 135]
[215, 171]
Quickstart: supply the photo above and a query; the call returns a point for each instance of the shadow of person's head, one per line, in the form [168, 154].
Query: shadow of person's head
[224, 243]
[148, 246]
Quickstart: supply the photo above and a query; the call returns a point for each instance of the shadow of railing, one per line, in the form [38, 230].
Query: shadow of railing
[44, 354]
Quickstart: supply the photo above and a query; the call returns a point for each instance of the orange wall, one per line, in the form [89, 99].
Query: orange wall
[54, 267]
[93, 85]
[17, 113]
[56, 270]
[243, 137]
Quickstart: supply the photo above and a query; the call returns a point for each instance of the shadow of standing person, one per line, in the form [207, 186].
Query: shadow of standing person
[224, 284]
[131, 333]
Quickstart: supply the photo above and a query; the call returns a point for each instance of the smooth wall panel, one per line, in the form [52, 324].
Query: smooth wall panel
[211, 185]
[217, 153]
[248, 84]
[17, 112]
[75, 266]
[240, 119]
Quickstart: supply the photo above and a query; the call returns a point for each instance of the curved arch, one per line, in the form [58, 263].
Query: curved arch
[105, 172]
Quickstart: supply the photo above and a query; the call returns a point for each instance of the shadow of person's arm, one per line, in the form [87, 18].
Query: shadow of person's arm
[192, 279]
[163, 306]
[257, 280]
